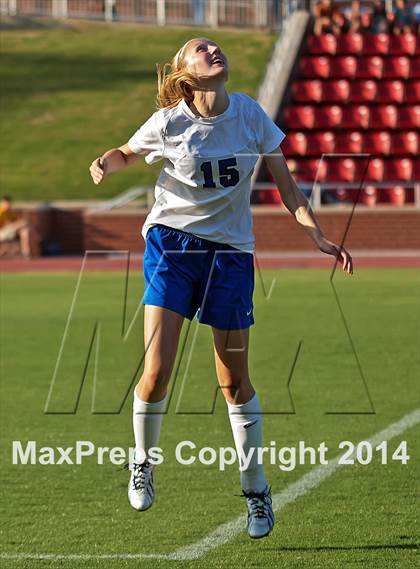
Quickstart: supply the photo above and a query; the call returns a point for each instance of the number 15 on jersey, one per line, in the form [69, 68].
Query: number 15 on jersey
[228, 174]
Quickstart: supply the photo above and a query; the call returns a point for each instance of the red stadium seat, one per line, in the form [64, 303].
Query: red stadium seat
[349, 44]
[369, 196]
[396, 195]
[403, 44]
[363, 91]
[323, 44]
[320, 143]
[336, 91]
[415, 68]
[412, 91]
[375, 170]
[370, 68]
[307, 91]
[300, 116]
[376, 44]
[405, 143]
[328, 117]
[390, 92]
[343, 67]
[294, 143]
[312, 67]
[341, 170]
[409, 117]
[377, 142]
[384, 116]
[311, 170]
[399, 169]
[356, 116]
[348, 142]
[396, 68]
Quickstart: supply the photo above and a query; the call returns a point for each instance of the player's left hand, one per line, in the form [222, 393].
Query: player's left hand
[340, 253]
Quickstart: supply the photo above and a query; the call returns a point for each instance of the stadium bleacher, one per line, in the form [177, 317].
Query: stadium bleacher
[357, 93]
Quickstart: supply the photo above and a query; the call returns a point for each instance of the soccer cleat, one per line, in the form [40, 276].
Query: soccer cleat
[141, 492]
[260, 513]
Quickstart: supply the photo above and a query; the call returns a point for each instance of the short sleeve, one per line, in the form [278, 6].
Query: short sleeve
[148, 140]
[270, 136]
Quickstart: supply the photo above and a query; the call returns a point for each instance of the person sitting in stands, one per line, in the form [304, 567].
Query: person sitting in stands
[323, 12]
[340, 23]
[403, 17]
[379, 22]
[13, 226]
[329, 19]
[355, 17]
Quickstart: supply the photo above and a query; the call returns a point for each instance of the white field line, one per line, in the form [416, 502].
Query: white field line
[228, 531]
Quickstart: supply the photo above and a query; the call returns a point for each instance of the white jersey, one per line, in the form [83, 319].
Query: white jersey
[204, 186]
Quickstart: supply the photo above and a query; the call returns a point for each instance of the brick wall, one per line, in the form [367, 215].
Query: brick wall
[39, 220]
[76, 230]
[378, 228]
[67, 228]
[114, 230]
[277, 230]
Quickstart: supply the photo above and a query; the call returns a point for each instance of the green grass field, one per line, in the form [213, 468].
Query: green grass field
[361, 516]
[70, 93]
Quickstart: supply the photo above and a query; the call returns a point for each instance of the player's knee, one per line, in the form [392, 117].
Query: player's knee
[230, 392]
[156, 378]
[232, 385]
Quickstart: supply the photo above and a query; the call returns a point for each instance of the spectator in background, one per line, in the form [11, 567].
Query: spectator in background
[403, 17]
[355, 17]
[13, 227]
[323, 12]
[329, 19]
[352, 17]
[379, 21]
[340, 24]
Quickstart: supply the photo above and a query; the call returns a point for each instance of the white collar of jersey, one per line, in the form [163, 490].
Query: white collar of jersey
[206, 120]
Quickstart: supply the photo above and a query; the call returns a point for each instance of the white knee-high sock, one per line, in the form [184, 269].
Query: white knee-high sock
[246, 423]
[147, 419]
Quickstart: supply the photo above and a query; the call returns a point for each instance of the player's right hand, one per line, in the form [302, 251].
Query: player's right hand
[98, 170]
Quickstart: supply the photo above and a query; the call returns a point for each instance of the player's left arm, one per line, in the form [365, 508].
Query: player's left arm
[298, 205]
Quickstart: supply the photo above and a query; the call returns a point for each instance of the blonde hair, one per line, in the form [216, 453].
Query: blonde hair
[174, 83]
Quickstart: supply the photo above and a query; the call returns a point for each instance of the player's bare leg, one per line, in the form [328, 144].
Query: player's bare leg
[162, 328]
[231, 359]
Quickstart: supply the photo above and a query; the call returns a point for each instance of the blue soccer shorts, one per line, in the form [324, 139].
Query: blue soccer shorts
[191, 276]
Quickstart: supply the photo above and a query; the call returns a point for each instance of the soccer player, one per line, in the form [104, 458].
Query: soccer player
[210, 142]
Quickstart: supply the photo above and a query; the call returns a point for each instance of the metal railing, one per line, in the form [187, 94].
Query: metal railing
[315, 191]
[140, 197]
[262, 14]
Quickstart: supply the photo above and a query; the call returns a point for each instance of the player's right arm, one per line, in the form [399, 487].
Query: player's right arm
[112, 161]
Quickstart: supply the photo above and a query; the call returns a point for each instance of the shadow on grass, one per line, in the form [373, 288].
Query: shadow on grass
[28, 23]
[412, 546]
[26, 74]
